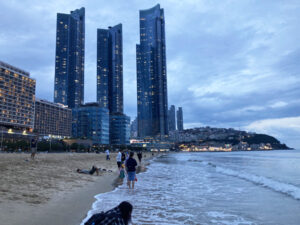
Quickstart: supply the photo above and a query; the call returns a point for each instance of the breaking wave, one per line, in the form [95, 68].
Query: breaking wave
[278, 186]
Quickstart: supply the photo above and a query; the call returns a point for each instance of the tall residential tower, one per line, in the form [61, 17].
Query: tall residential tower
[110, 82]
[172, 119]
[152, 96]
[69, 59]
[110, 68]
[179, 119]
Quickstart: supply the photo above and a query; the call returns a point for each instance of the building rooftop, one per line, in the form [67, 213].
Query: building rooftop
[52, 103]
[14, 69]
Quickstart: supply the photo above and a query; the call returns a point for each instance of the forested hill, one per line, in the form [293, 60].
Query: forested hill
[211, 136]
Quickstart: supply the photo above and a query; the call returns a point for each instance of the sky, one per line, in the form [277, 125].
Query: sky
[230, 63]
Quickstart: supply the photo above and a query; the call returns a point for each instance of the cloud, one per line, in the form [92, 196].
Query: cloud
[229, 63]
[287, 128]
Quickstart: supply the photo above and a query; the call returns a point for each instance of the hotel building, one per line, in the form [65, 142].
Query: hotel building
[17, 97]
[52, 119]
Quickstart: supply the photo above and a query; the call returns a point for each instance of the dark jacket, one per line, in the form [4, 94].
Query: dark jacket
[111, 217]
[131, 164]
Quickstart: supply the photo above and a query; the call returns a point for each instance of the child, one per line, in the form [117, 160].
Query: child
[122, 172]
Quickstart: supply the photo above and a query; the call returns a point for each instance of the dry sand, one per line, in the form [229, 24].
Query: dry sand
[48, 190]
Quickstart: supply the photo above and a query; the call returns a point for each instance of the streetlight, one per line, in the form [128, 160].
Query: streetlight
[2, 139]
[50, 141]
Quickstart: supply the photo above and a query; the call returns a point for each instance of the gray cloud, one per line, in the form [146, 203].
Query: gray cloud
[230, 63]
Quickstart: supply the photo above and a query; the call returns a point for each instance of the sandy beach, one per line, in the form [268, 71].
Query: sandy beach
[48, 190]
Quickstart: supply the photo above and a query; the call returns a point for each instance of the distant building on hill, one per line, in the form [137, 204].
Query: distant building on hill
[69, 58]
[17, 97]
[180, 119]
[91, 121]
[52, 119]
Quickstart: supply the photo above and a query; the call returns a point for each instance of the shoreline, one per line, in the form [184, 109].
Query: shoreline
[26, 199]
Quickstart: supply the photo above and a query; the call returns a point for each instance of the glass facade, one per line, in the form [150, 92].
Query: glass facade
[69, 59]
[110, 68]
[119, 129]
[92, 122]
[152, 96]
[172, 120]
[110, 82]
[52, 119]
[179, 118]
[17, 97]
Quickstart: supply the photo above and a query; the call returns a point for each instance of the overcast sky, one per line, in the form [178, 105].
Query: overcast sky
[229, 63]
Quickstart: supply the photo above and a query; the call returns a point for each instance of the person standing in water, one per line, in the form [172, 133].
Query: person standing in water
[140, 156]
[130, 167]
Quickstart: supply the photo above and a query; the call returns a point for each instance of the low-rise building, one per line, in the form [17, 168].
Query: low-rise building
[90, 121]
[52, 119]
[119, 129]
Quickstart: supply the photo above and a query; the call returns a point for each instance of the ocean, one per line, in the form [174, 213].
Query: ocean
[214, 188]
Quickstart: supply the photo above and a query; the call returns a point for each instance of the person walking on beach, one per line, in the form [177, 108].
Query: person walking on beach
[130, 167]
[107, 154]
[33, 146]
[119, 159]
[123, 157]
[120, 215]
[140, 156]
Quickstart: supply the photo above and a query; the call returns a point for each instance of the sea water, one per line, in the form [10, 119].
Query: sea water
[214, 188]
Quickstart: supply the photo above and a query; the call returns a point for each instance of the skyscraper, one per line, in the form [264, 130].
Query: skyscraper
[152, 96]
[110, 82]
[69, 59]
[172, 120]
[110, 68]
[179, 119]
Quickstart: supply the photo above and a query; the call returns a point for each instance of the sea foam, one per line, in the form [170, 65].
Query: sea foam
[278, 186]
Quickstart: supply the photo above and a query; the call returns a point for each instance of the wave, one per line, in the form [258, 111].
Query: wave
[278, 186]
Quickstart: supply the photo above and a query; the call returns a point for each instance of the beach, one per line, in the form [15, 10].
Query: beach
[208, 188]
[48, 190]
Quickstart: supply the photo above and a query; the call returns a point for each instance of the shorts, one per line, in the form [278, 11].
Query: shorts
[119, 164]
[131, 176]
[33, 149]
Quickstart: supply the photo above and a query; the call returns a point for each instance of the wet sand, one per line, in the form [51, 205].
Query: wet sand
[48, 190]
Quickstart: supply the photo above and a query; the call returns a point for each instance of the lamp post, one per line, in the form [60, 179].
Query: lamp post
[2, 139]
[50, 141]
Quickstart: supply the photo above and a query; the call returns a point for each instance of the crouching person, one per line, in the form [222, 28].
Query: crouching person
[120, 215]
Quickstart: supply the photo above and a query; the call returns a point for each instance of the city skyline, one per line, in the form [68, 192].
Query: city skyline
[237, 70]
